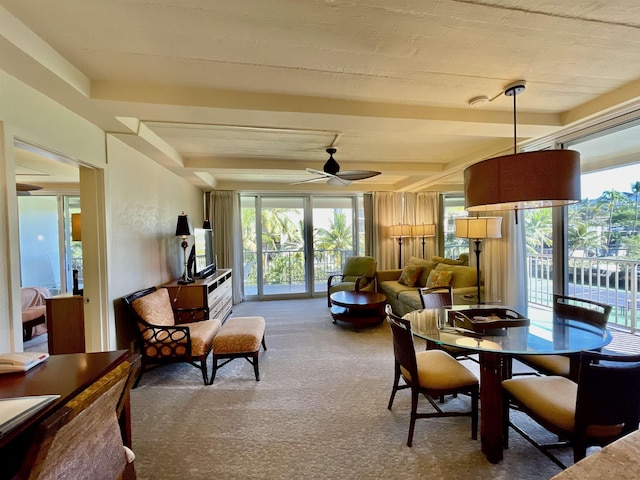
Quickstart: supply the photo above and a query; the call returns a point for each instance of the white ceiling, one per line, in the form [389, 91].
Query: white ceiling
[246, 94]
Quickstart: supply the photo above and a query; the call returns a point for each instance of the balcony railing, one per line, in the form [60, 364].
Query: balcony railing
[606, 280]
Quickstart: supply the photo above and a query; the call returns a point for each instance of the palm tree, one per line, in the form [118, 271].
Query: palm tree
[611, 198]
[635, 189]
[339, 235]
[539, 230]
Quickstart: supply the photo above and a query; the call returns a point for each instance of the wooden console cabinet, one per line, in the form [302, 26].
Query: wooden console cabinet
[65, 324]
[213, 293]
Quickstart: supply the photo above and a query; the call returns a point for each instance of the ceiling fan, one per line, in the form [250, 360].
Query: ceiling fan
[333, 176]
[23, 189]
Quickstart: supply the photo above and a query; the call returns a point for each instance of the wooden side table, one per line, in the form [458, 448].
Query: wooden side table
[358, 308]
[65, 324]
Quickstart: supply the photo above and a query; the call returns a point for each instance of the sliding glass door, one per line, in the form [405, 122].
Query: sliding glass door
[301, 240]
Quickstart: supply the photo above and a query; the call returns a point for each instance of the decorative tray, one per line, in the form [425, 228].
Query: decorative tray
[482, 319]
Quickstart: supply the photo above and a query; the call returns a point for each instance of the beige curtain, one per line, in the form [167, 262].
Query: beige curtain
[387, 210]
[503, 263]
[421, 208]
[225, 220]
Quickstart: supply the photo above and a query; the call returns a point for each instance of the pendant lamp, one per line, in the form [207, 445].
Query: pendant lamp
[544, 178]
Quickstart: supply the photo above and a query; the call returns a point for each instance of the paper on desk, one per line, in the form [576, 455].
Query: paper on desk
[15, 410]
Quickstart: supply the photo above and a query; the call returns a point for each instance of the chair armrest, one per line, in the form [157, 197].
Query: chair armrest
[386, 275]
[190, 315]
[330, 280]
[362, 281]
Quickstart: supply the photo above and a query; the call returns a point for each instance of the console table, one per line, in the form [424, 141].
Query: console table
[213, 293]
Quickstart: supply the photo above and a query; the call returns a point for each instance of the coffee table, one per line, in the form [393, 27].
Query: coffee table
[358, 308]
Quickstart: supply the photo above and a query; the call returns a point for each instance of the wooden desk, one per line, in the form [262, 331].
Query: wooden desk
[65, 375]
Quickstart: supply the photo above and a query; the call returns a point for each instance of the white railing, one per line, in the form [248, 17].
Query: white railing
[607, 280]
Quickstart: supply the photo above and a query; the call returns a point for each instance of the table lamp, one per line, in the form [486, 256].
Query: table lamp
[184, 229]
[477, 228]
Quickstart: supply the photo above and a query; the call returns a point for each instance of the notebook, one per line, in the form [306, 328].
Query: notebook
[15, 410]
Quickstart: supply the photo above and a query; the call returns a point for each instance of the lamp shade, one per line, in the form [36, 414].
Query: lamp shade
[183, 228]
[545, 178]
[479, 227]
[400, 230]
[423, 230]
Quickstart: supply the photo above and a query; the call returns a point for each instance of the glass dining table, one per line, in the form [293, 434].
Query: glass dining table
[497, 334]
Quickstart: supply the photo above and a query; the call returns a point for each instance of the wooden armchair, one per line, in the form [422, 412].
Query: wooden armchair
[357, 274]
[83, 440]
[165, 335]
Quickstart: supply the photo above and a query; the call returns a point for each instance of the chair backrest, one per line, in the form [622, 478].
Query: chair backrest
[608, 392]
[403, 348]
[436, 297]
[587, 311]
[358, 266]
[82, 440]
[152, 306]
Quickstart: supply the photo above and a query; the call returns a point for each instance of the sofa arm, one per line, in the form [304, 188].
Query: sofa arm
[386, 275]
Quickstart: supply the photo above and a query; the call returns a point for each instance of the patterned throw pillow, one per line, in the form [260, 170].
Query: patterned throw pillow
[440, 278]
[409, 275]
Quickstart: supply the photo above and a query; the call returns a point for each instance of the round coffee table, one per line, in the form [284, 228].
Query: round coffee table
[358, 308]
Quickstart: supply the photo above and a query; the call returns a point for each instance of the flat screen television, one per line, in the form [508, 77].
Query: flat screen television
[202, 259]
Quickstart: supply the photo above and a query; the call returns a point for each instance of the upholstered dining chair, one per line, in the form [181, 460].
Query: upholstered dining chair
[82, 440]
[358, 273]
[432, 373]
[587, 311]
[167, 335]
[601, 407]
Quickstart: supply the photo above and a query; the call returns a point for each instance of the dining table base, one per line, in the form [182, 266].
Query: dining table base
[494, 367]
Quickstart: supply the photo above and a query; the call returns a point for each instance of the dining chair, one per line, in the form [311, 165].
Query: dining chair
[601, 407]
[432, 373]
[438, 297]
[565, 307]
[83, 439]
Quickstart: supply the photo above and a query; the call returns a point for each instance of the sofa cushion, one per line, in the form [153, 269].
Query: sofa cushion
[392, 288]
[410, 298]
[448, 261]
[439, 278]
[426, 265]
[409, 275]
[463, 276]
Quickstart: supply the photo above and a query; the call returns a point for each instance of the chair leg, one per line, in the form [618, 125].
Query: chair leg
[255, 366]
[264, 345]
[396, 382]
[414, 414]
[214, 368]
[474, 415]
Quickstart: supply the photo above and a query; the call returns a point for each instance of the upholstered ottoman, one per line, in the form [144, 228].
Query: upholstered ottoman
[239, 337]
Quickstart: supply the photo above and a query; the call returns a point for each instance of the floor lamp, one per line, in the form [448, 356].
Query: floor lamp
[399, 231]
[424, 231]
[478, 228]
[184, 229]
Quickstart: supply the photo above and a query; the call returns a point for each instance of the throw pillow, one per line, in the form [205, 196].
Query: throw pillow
[447, 261]
[409, 275]
[440, 278]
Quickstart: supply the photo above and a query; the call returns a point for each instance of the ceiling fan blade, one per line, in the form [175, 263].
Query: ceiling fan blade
[338, 182]
[311, 180]
[357, 174]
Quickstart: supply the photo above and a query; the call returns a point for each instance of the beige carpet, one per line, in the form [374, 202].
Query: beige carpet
[320, 411]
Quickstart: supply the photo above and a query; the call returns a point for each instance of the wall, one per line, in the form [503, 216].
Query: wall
[145, 201]
[141, 201]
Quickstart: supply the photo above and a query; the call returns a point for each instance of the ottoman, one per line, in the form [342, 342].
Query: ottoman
[239, 337]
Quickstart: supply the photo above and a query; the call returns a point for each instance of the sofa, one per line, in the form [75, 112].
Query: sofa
[34, 311]
[403, 296]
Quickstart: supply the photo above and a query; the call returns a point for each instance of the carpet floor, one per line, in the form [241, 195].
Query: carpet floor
[319, 411]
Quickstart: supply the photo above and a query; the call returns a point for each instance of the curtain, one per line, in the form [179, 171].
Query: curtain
[423, 208]
[387, 210]
[226, 223]
[503, 261]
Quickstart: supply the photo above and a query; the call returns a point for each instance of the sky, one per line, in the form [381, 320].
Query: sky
[620, 179]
